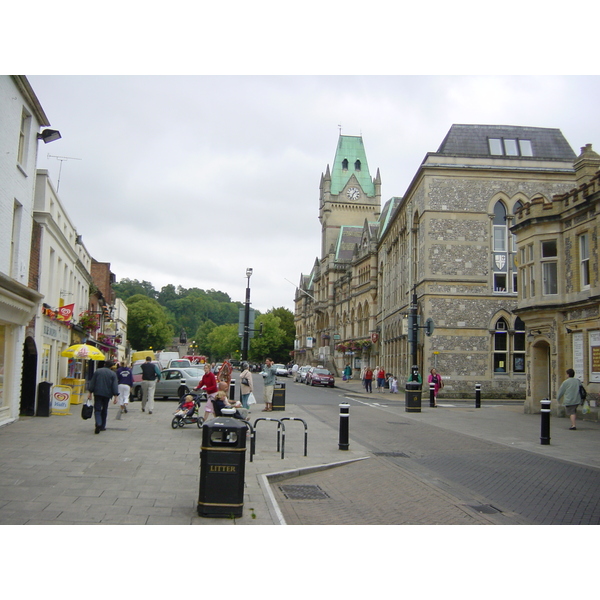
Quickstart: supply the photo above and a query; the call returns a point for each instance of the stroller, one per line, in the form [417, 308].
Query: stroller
[184, 416]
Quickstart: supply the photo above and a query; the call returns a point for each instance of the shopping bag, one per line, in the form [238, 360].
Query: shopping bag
[585, 409]
[87, 410]
[251, 399]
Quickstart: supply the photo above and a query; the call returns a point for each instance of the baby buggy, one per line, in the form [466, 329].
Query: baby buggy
[186, 415]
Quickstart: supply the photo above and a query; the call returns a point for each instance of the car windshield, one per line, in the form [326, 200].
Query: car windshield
[322, 372]
[193, 372]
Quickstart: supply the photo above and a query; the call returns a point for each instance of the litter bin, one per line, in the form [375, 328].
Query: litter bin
[279, 397]
[43, 399]
[222, 468]
[412, 396]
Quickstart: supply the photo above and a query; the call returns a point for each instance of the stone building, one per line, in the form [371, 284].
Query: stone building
[336, 302]
[559, 296]
[449, 243]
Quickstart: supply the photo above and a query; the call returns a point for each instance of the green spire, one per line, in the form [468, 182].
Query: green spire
[351, 159]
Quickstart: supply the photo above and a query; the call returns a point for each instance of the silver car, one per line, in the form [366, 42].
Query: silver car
[174, 383]
[301, 374]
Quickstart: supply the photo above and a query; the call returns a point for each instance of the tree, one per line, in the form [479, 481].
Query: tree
[147, 325]
[126, 288]
[223, 342]
[270, 342]
[201, 336]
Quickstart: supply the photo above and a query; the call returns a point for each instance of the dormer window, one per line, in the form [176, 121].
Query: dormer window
[510, 147]
[345, 164]
[357, 165]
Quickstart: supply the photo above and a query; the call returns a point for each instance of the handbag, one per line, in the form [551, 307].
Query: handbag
[251, 399]
[582, 394]
[245, 381]
[87, 410]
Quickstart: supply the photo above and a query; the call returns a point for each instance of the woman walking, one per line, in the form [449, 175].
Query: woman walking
[436, 379]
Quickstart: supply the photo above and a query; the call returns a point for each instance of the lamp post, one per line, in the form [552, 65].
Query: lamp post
[246, 318]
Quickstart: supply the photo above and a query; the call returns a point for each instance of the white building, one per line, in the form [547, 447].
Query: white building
[21, 118]
[60, 270]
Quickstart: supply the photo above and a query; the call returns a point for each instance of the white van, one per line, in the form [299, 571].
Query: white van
[164, 358]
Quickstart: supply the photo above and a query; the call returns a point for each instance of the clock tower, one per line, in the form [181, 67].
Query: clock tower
[348, 195]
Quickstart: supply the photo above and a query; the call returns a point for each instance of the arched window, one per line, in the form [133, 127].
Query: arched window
[501, 346]
[345, 164]
[500, 251]
[357, 165]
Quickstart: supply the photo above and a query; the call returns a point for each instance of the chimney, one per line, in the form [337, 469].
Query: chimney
[586, 165]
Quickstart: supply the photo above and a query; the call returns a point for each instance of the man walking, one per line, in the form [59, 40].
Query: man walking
[103, 385]
[569, 389]
[269, 374]
[150, 375]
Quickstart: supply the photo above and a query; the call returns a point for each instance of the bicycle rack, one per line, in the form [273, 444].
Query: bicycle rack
[305, 431]
[280, 425]
[251, 438]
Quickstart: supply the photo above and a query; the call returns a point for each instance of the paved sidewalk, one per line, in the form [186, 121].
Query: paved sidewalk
[55, 470]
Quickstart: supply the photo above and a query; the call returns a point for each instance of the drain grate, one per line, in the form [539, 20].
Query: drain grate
[303, 492]
[392, 454]
[487, 509]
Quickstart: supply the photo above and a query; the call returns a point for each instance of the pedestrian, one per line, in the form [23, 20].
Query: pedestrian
[269, 375]
[246, 385]
[104, 385]
[569, 390]
[125, 379]
[150, 375]
[347, 373]
[208, 383]
[393, 385]
[368, 380]
[380, 378]
[436, 379]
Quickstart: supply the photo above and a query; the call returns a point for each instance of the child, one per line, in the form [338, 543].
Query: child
[393, 385]
[186, 409]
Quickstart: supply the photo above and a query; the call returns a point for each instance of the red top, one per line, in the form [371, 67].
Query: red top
[209, 383]
[381, 374]
[368, 374]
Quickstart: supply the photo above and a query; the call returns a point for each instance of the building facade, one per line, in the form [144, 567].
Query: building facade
[21, 117]
[446, 242]
[449, 244]
[559, 296]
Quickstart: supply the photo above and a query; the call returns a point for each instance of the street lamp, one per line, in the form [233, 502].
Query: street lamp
[246, 318]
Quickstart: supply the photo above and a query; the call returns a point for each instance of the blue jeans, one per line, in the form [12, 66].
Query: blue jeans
[245, 400]
[101, 410]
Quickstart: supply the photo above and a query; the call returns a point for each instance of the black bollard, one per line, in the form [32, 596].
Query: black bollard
[545, 411]
[477, 395]
[344, 426]
[431, 395]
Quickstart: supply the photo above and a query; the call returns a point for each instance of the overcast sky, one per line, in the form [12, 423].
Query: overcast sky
[189, 180]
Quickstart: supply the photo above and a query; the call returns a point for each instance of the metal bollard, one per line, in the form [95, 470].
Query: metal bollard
[545, 411]
[344, 426]
[431, 395]
[477, 395]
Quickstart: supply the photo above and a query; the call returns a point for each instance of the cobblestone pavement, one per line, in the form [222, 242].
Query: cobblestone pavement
[421, 473]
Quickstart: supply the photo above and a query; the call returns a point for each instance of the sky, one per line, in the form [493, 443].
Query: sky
[188, 180]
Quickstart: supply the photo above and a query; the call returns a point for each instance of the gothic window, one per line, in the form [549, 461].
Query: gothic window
[519, 347]
[345, 164]
[509, 347]
[500, 346]
[357, 165]
[500, 250]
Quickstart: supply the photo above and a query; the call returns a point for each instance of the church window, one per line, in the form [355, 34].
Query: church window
[345, 164]
[357, 165]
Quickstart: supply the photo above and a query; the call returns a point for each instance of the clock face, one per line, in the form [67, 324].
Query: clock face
[353, 193]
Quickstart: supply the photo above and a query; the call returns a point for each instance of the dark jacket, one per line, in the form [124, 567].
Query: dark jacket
[104, 383]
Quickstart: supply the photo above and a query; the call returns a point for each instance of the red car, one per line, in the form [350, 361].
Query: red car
[320, 376]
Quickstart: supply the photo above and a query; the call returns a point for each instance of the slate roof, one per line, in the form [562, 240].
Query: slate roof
[472, 140]
[348, 238]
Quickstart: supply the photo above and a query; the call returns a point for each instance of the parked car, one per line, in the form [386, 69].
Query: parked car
[178, 363]
[301, 374]
[320, 376]
[281, 370]
[173, 383]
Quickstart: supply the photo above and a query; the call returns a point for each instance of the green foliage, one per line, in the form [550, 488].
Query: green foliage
[147, 325]
[223, 342]
[130, 287]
